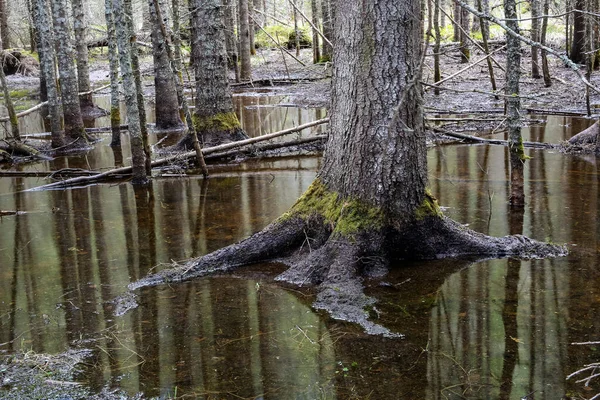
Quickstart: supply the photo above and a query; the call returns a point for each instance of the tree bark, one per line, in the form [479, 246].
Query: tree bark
[65, 55]
[137, 76]
[231, 42]
[327, 54]
[513, 106]
[4, 33]
[544, 54]
[535, 36]
[47, 66]
[315, 35]
[165, 92]
[12, 114]
[577, 53]
[214, 118]
[113, 60]
[465, 51]
[83, 69]
[244, 33]
[370, 202]
[131, 99]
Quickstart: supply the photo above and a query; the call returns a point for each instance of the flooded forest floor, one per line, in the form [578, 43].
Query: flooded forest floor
[490, 329]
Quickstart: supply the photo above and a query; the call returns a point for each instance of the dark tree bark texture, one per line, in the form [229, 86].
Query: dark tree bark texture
[370, 202]
[167, 105]
[214, 118]
[577, 50]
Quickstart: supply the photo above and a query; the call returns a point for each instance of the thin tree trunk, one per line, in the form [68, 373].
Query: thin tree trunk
[12, 114]
[5, 34]
[65, 55]
[246, 70]
[296, 31]
[48, 68]
[465, 52]
[214, 117]
[113, 59]
[252, 24]
[437, 74]
[133, 116]
[83, 70]
[456, 13]
[315, 35]
[139, 89]
[544, 55]
[484, 35]
[231, 42]
[327, 29]
[513, 106]
[165, 92]
[33, 11]
[535, 36]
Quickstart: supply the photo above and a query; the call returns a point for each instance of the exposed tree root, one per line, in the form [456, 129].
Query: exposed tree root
[331, 244]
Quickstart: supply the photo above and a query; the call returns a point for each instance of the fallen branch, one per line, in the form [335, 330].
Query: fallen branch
[466, 68]
[277, 42]
[475, 139]
[83, 180]
[266, 147]
[311, 23]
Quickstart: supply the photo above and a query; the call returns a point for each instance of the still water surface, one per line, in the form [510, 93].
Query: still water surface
[492, 329]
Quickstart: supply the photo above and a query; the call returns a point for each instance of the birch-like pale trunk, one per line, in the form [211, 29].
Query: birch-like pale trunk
[65, 55]
[133, 116]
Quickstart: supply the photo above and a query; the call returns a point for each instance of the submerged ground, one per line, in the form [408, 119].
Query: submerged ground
[487, 329]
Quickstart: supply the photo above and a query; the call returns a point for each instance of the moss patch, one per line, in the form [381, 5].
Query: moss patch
[429, 207]
[347, 216]
[217, 122]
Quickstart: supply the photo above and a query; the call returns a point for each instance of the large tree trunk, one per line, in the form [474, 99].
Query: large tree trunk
[244, 33]
[131, 99]
[65, 55]
[166, 104]
[83, 69]
[47, 66]
[113, 60]
[370, 203]
[214, 118]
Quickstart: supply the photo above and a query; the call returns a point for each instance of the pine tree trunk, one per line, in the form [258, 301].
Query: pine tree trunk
[12, 114]
[535, 36]
[465, 52]
[315, 36]
[544, 55]
[437, 74]
[214, 118]
[137, 76]
[513, 107]
[131, 99]
[166, 104]
[65, 55]
[113, 60]
[48, 70]
[577, 53]
[83, 70]
[5, 34]
[244, 32]
[327, 29]
[231, 43]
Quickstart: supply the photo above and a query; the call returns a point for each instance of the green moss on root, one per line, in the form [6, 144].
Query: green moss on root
[429, 207]
[346, 216]
[217, 122]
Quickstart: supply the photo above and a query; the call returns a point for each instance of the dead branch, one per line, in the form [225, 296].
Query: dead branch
[123, 171]
[475, 139]
[277, 42]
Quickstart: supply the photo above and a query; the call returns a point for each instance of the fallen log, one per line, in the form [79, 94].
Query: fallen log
[587, 136]
[84, 180]
[266, 147]
[17, 148]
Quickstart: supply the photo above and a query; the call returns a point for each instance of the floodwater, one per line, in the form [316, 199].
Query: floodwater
[476, 330]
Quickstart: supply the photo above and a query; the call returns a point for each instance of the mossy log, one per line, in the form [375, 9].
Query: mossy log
[587, 136]
[16, 148]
